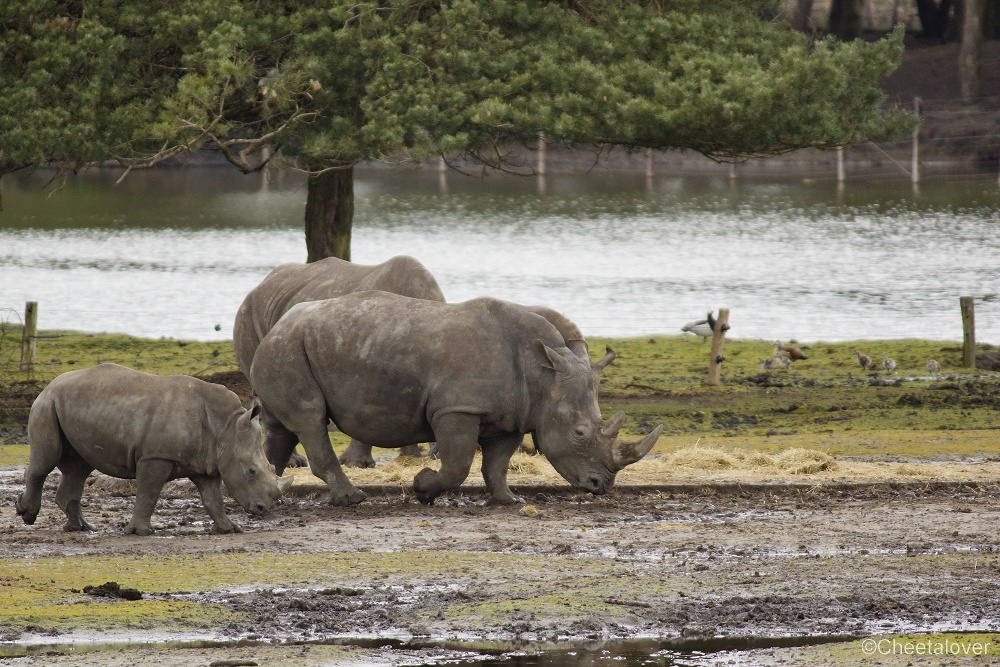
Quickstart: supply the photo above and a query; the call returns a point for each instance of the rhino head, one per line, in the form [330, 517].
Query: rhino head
[248, 476]
[569, 430]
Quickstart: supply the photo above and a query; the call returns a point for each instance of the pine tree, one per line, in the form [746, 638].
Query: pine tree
[328, 84]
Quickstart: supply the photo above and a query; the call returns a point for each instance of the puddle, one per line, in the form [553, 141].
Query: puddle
[570, 653]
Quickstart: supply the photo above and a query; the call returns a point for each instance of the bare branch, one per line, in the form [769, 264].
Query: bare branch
[240, 160]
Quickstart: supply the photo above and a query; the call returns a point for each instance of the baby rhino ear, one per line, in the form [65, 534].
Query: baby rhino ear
[254, 406]
[546, 356]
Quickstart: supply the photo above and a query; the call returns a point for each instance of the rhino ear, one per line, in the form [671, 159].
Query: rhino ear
[254, 406]
[545, 355]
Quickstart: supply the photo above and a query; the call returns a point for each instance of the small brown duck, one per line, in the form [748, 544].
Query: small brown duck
[888, 364]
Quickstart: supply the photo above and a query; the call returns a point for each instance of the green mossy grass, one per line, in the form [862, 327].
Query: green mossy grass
[827, 402]
[46, 593]
[57, 352]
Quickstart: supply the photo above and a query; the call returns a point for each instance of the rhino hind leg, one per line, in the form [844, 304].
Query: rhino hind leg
[413, 451]
[46, 449]
[150, 476]
[457, 438]
[29, 504]
[74, 476]
[496, 461]
[357, 455]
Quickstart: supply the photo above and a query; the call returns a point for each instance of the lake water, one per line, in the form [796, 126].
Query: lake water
[172, 252]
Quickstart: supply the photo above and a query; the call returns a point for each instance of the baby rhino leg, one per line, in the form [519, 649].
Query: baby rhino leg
[74, 476]
[46, 450]
[150, 476]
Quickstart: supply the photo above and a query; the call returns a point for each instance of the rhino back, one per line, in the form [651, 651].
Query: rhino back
[113, 416]
[387, 364]
[290, 284]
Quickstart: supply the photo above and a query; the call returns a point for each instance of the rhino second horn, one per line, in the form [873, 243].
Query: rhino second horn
[285, 483]
[614, 424]
[627, 453]
[608, 357]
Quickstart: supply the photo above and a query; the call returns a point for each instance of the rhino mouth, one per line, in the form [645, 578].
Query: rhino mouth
[595, 484]
[257, 509]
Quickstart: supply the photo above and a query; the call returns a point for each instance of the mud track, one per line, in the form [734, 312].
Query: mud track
[668, 562]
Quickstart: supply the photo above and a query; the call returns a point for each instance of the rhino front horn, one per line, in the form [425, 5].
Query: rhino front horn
[627, 453]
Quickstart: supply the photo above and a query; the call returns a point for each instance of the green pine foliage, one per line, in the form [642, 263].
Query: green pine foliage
[334, 82]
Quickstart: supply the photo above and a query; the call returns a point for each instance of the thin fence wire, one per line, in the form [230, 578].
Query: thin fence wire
[746, 324]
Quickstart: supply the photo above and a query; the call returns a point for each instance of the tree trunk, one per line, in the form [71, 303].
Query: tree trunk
[934, 17]
[800, 17]
[969, 55]
[991, 21]
[845, 18]
[330, 214]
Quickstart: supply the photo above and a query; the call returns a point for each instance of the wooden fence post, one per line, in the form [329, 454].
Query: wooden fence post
[968, 331]
[28, 335]
[542, 145]
[915, 159]
[718, 343]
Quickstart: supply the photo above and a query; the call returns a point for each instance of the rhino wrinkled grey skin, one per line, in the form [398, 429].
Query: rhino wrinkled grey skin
[133, 425]
[392, 371]
[290, 284]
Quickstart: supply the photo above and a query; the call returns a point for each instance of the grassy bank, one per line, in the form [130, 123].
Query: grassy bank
[826, 402]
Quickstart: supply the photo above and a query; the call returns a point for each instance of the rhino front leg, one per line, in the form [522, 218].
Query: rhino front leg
[457, 437]
[150, 476]
[210, 489]
[74, 476]
[496, 461]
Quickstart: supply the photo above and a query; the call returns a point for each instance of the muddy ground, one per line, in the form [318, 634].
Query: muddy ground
[676, 563]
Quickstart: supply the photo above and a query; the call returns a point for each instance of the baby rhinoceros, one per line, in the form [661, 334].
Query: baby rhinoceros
[150, 428]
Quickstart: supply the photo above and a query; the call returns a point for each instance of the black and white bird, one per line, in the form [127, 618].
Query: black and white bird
[703, 328]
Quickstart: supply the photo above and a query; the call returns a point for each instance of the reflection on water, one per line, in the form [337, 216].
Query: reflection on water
[172, 252]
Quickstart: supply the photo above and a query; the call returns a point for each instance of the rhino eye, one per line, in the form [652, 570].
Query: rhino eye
[581, 432]
[252, 471]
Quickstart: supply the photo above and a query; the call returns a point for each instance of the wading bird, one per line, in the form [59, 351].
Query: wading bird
[775, 362]
[933, 366]
[888, 364]
[789, 352]
[863, 359]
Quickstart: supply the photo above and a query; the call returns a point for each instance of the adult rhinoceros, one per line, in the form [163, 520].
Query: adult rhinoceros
[392, 371]
[291, 284]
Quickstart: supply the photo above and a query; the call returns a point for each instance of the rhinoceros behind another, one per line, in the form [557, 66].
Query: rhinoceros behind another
[392, 371]
[150, 428]
[291, 284]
